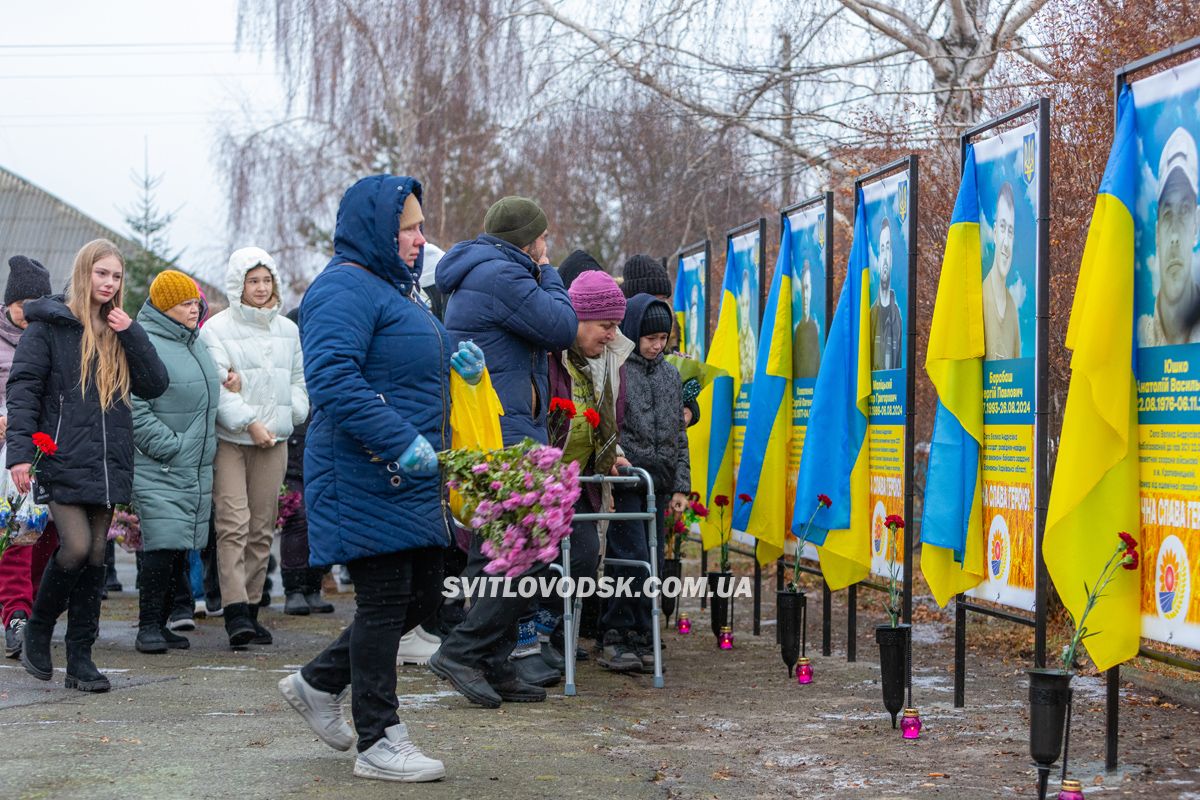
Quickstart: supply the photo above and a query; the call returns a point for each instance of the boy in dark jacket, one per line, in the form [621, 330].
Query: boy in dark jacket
[653, 437]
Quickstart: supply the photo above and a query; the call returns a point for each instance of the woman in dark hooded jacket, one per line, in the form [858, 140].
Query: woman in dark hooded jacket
[377, 365]
[72, 376]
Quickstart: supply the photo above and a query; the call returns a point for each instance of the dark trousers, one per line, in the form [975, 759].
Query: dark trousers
[488, 634]
[628, 540]
[182, 600]
[449, 613]
[585, 556]
[393, 593]
[208, 559]
[486, 638]
[293, 536]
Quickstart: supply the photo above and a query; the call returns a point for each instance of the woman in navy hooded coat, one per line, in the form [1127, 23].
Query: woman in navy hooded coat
[376, 363]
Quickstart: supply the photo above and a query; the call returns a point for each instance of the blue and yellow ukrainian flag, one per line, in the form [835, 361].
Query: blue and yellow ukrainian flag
[1095, 491]
[952, 524]
[763, 470]
[834, 461]
[710, 442]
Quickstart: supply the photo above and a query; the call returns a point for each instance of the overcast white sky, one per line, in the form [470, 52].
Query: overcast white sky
[87, 88]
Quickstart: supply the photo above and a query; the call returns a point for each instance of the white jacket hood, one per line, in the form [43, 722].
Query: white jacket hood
[241, 262]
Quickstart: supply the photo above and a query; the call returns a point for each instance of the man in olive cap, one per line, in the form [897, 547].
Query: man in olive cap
[502, 293]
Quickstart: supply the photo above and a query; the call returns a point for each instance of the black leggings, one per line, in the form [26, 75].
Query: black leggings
[82, 534]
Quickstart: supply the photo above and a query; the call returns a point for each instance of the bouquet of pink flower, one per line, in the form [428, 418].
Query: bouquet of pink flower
[125, 529]
[520, 499]
[289, 503]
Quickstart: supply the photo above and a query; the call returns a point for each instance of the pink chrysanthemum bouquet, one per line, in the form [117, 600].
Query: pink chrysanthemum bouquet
[520, 500]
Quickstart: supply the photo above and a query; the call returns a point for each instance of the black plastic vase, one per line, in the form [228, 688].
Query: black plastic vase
[791, 608]
[719, 583]
[893, 665]
[1049, 698]
[672, 568]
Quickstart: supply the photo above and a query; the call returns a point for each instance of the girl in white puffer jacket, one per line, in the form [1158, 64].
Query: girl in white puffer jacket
[253, 339]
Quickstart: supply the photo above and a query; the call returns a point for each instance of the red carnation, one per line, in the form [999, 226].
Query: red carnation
[699, 510]
[1130, 542]
[721, 501]
[894, 521]
[694, 497]
[44, 443]
[823, 499]
[745, 498]
[680, 525]
[593, 417]
[562, 404]
[1131, 559]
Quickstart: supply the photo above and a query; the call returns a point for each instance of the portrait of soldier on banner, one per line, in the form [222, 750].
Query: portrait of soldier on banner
[747, 310]
[1001, 326]
[887, 325]
[695, 318]
[1175, 318]
[806, 337]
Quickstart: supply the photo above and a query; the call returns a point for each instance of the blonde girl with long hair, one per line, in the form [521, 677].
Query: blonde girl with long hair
[73, 373]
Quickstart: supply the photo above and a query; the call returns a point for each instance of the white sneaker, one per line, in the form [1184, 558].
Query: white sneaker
[416, 647]
[321, 710]
[396, 758]
[199, 610]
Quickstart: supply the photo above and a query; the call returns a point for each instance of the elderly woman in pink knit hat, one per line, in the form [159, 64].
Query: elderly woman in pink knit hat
[589, 373]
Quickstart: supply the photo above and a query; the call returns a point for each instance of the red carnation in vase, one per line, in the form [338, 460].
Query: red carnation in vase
[894, 521]
[823, 499]
[44, 443]
[745, 498]
[720, 501]
[593, 417]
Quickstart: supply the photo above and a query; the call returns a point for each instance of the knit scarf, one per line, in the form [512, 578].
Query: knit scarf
[585, 444]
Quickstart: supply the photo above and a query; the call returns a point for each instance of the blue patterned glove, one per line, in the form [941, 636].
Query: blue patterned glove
[419, 459]
[468, 362]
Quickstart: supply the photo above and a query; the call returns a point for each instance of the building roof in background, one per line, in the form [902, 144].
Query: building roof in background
[37, 224]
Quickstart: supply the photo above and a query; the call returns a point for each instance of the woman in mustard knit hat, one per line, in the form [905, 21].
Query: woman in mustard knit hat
[175, 437]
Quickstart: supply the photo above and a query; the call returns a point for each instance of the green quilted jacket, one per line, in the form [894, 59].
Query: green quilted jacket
[175, 436]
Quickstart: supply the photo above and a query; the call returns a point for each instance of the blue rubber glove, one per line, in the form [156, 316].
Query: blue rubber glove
[468, 362]
[419, 459]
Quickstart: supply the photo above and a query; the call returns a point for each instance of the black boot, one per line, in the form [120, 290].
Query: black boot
[170, 605]
[295, 584]
[261, 634]
[153, 583]
[53, 595]
[237, 624]
[83, 626]
[111, 582]
[312, 594]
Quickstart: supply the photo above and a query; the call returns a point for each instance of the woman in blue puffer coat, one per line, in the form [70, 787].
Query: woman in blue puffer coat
[377, 364]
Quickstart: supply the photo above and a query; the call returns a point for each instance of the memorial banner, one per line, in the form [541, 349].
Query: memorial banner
[1006, 179]
[886, 207]
[691, 302]
[743, 266]
[807, 230]
[1167, 321]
